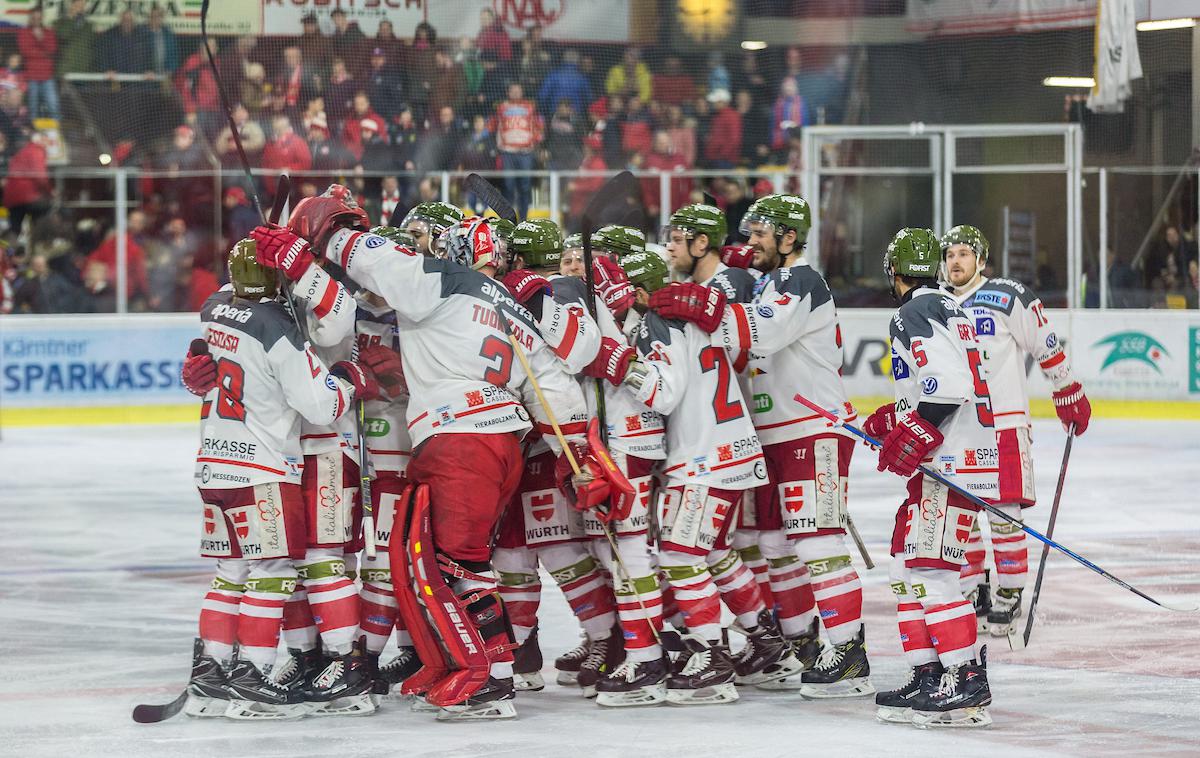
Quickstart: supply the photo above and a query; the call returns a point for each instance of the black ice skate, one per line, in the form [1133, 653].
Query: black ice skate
[402, 666]
[767, 656]
[603, 656]
[207, 689]
[569, 662]
[981, 598]
[707, 677]
[895, 706]
[527, 665]
[493, 701]
[1006, 609]
[806, 649]
[958, 698]
[298, 671]
[254, 697]
[344, 687]
[841, 671]
[634, 683]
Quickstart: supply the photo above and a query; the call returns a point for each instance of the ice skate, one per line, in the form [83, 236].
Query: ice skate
[841, 671]
[895, 706]
[707, 677]
[603, 656]
[981, 598]
[806, 649]
[958, 698]
[401, 667]
[634, 683]
[207, 692]
[527, 665]
[254, 697]
[298, 671]
[1005, 610]
[493, 701]
[767, 656]
[569, 662]
[343, 688]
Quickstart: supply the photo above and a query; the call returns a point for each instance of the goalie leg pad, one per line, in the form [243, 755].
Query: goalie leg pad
[409, 607]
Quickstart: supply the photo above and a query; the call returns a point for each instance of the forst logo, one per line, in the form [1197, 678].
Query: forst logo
[1138, 347]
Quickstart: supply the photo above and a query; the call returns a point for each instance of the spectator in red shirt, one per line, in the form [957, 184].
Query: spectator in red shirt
[352, 132]
[664, 159]
[518, 129]
[286, 151]
[584, 187]
[492, 39]
[27, 189]
[673, 86]
[723, 147]
[106, 255]
[38, 46]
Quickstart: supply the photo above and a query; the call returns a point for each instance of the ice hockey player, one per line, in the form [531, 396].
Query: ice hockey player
[571, 263]
[468, 395]
[248, 470]
[941, 418]
[540, 525]
[428, 221]
[693, 240]
[792, 329]
[1010, 323]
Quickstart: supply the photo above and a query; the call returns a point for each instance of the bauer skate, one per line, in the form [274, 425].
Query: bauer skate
[806, 649]
[343, 688]
[527, 665]
[981, 598]
[254, 697]
[207, 690]
[707, 676]
[603, 656]
[492, 701]
[841, 671]
[767, 656]
[958, 698]
[634, 683]
[895, 706]
[569, 662]
[298, 671]
[1005, 610]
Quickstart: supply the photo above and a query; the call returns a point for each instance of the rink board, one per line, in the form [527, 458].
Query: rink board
[107, 369]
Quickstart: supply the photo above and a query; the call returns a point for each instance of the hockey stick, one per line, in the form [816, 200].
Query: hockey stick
[491, 195]
[983, 504]
[364, 482]
[858, 541]
[152, 714]
[1016, 640]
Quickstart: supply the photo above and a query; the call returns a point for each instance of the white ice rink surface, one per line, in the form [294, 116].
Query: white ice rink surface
[100, 590]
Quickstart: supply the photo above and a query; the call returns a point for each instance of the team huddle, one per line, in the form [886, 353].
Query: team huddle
[650, 444]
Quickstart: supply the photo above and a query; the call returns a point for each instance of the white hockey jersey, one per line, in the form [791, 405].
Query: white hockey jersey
[935, 359]
[633, 429]
[268, 378]
[389, 446]
[566, 325]
[463, 376]
[710, 436]
[329, 315]
[1010, 324]
[791, 329]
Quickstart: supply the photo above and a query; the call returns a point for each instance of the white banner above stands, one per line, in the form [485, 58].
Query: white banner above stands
[947, 17]
[606, 21]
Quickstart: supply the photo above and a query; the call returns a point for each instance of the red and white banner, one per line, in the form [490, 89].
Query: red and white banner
[606, 21]
[946, 17]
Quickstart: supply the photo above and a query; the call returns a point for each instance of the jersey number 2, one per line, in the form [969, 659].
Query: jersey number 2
[231, 381]
[493, 348]
[715, 358]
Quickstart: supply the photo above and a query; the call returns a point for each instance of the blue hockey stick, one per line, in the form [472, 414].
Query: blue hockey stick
[832, 417]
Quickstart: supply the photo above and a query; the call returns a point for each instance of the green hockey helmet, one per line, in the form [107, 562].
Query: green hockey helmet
[913, 252]
[646, 270]
[397, 235]
[251, 280]
[538, 241]
[618, 240]
[778, 214]
[698, 218]
[436, 217]
[970, 236]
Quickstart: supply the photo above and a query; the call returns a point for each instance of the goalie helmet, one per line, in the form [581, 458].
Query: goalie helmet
[473, 243]
[970, 236]
[539, 243]
[618, 241]
[913, 252]
[698, 218]
[250, 279]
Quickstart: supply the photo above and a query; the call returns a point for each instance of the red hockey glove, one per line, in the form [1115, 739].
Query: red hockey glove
[907, 445]
[282, 249]
[1072, 406]
[599, 480]
[612, 361]
[385, 364]
[703, 306]
[737, 256]
[612, 285]
[881, 423]
[525, 283]
[199, 373]
[317, 218]
[365, 385]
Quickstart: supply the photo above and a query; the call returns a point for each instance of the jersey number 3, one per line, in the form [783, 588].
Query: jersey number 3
[715, 358]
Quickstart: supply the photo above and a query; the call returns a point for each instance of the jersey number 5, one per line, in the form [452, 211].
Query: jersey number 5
[231, 380]
[983, 410]
[715, 358]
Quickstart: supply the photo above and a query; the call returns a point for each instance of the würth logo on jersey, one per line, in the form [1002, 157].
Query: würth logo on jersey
[719, 514]
[724, 452]
[474, 398]
[542, 506]
[210, 520]
[241, 525]
[793, 497]
[962, 527]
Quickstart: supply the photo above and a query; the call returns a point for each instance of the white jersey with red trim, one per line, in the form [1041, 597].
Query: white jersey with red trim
[935, 359]
[710, 437]
[463, 376]
[633, 429]
[566, 325]
[268, 378]
[329, 315]
[389, 445]
[791, 328]
[1011, 323]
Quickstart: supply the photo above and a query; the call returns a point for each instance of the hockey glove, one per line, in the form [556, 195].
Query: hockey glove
[599, 480]
[385, 364]
[1072, 406]
[703, 306]
[525, 284]
[907, 445]
[612, 362]
[282, 249]
[199, 373]
[365, 385]
[737, 256]
[881, 423]
[613, 286]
